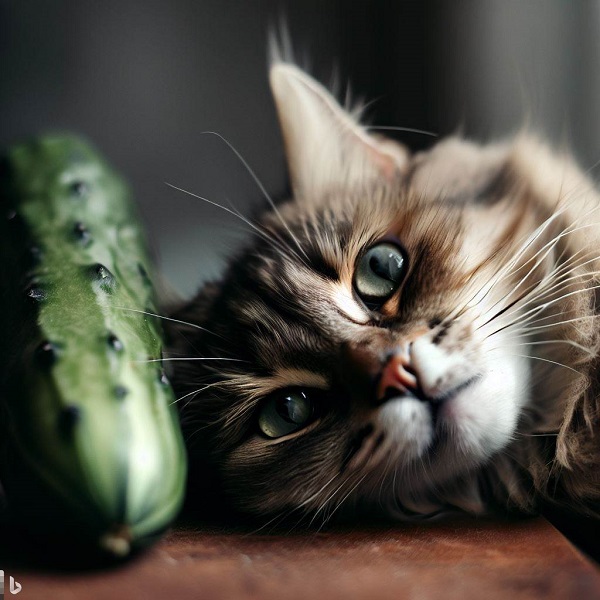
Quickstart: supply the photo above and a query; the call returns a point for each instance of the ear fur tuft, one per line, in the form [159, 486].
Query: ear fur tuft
[325, 144]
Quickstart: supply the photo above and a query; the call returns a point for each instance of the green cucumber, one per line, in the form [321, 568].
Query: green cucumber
[92, 446]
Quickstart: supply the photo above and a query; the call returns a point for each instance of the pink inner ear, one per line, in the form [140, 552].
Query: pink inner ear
[389, 158]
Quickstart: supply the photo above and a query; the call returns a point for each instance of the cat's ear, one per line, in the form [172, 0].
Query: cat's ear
[324, 143]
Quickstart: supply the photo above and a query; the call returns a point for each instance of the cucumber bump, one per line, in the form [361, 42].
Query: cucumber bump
[93, 449]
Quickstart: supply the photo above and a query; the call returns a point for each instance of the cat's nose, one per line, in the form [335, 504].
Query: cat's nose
[418, 368]
[398, 377]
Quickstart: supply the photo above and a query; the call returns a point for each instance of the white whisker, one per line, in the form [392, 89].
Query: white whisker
[275, 242]
[189, 358]
[543, 342]
[194, 393]
[526, 329]
[261, 187]
[407, 129]
[548, 361]
[187, 323]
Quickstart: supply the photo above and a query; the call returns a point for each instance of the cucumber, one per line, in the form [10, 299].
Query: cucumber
[93, 451]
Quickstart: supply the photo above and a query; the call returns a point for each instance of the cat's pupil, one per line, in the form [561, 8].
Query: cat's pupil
[387, 267]
[379, 272]
[294, 409]
[284, 413]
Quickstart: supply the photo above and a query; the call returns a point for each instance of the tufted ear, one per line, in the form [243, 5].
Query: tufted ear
[325, 145]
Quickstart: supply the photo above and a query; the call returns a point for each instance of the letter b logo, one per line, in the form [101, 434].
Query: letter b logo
[15, 586]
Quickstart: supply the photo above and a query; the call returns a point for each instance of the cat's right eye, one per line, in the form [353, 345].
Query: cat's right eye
[379, 273]
[285, 413]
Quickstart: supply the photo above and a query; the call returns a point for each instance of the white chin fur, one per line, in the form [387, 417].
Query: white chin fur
[407, 423]
[475, 424]
[429, 474]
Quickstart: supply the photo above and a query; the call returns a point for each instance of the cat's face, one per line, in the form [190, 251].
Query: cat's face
[365, 348]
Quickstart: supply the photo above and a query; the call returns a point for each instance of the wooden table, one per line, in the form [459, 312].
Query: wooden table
[483, 560]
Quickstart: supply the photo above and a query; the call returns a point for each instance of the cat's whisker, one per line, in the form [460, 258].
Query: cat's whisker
[503, 311]
[384, 474]
[508, 269]
[275, 520]
[338, 504]
[237, 415]
[186, 323]
[270, 237]
[547, 278]
[261, 187]
[514, 323]
[553, 434]
[554, 362]
[560, 276]
[189, 359]
[406, 129]
[315, 495]
[526, 295]
[328, 499]
[504, 270]
[521, 334]
[527, 329]
[539, 260]
[206, 424]
[530, 240]
[275, 242]
[553, 301]
[538, 292]
[558, 287]
[551, 316]
[570, 198]
[544, 342]
[194, 393]
[523, 322]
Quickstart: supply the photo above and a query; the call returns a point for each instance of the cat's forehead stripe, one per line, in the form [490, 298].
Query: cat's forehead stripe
[298, 377]
[282, 378]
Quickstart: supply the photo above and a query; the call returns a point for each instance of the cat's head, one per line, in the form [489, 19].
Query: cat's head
[371, 346]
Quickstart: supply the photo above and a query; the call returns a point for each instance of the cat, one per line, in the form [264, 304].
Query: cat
[408, 334]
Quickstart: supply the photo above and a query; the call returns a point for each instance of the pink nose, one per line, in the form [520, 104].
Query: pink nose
[396, 376]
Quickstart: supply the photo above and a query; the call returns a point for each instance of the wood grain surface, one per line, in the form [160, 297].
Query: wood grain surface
[462, 559]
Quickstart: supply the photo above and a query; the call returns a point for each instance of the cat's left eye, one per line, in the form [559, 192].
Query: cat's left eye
[379, 272]
[285, 413]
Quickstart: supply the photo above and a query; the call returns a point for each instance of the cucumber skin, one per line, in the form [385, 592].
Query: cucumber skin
[93, 442]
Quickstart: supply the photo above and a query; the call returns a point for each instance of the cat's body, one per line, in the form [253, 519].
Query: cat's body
[407, 334]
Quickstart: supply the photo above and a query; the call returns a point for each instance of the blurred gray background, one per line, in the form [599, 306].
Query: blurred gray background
[144, 78]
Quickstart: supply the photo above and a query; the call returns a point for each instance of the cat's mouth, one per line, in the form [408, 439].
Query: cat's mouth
[421, 423]
[434, 402]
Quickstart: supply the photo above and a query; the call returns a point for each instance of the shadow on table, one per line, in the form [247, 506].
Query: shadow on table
[21, 548]
[583, 532]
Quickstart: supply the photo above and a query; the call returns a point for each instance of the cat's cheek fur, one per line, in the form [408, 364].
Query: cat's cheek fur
[482, 419]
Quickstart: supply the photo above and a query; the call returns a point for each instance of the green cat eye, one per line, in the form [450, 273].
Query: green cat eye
[379, 272]
[285, 413]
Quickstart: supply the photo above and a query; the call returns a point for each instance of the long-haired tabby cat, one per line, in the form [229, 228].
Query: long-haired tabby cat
[407, 334]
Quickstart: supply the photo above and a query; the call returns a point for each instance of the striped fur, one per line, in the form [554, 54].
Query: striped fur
[502, 244]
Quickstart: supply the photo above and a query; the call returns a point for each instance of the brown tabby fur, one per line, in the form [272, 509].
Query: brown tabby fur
[284, 314]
